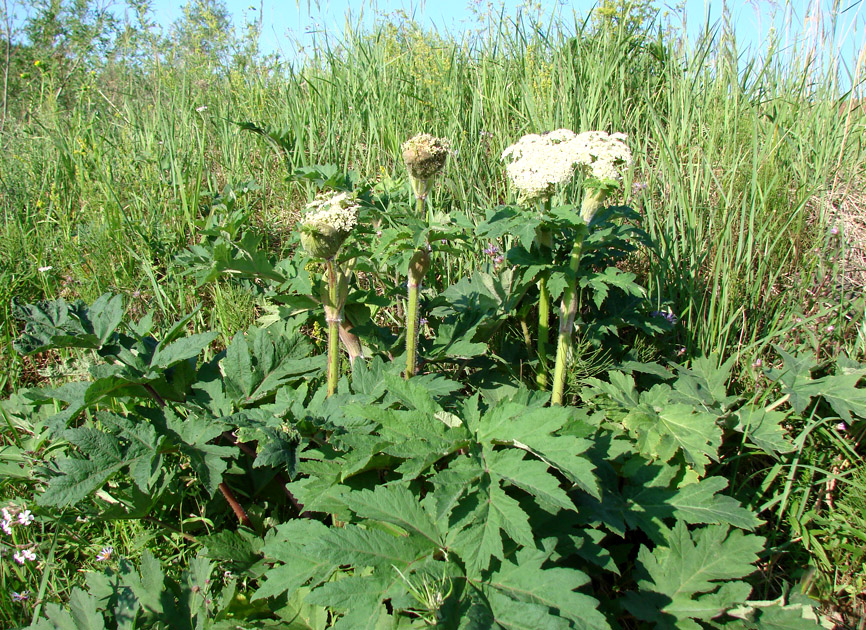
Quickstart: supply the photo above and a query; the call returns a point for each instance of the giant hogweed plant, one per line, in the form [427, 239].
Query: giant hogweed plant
[364, 499]
[405, 503]
[536, 166]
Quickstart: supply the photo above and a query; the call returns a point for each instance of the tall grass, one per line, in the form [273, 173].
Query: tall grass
[735, 160]
[734, 154]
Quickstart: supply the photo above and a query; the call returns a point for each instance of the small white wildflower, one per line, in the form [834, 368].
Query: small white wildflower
[44, 269]
[26, 517]
[105, 554]
[203, 108]
[25, 555]
[6, 526]
[7, 515]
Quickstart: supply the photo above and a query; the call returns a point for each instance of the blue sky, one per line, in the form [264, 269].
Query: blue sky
[288, 21]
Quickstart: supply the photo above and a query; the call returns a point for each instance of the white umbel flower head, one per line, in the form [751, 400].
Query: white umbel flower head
[537, 163]
[327, 222]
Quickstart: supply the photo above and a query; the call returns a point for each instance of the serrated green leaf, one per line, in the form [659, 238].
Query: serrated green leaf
[705, 383]
[841, 392]
[394, 504]
[369, 548]
[297, 614]
[525, 581]
[279, 450]
[795, 375]
[299, 564]
[181, 350]
[529, 475]
[241, 549]
[84, 612]
[792, 617]
[661, 432]
[487, 514]
[259, 362]
[57, 619]
[533, 429]
[764, 428]
[689, 571]
[361, 599]
[695, 503]
[78, 478]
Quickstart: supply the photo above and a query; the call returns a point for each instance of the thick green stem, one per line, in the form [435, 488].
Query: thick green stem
[567, 315]
[543, 331]
[351, 343]
[545, 243]
[419, 205]
[418, 267]
[333, 317]
[591, 204]
[412, 331]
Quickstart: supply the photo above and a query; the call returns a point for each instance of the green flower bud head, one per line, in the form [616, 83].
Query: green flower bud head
[418, 265]
[593, 201]
[327, 222]
[424, 156]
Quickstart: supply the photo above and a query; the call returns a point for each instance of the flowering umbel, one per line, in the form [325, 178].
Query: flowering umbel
[327, 222]
[537, 163]
[424, 156]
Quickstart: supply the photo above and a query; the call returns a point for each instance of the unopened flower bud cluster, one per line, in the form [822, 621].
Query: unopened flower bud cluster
[537, 163]
[425, 155]
[337, 211]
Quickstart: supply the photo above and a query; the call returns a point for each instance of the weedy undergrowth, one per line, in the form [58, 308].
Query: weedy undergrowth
[460, 496]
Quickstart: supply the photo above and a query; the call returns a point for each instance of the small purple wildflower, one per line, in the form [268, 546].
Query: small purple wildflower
[23, 596]
[105, 554]
[834, 230]
[422, 321]
[758, 363]
[667, 315]
[841, 427]
[491, 250]
[499, 259]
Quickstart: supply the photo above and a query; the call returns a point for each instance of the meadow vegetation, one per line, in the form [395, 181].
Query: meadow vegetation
[210, 416]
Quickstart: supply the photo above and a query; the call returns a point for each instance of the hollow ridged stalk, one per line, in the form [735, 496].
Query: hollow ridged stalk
[567, 315]
[570, 300]
[545, 241]
[418, 266]
[333, 316]
[417, 269]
